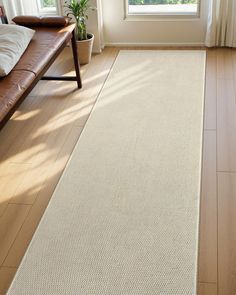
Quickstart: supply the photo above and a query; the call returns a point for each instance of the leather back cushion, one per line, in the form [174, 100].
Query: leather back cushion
[41, 21]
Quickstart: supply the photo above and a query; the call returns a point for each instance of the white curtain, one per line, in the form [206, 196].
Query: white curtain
[20, 7]
[221, 26]
[13, 8]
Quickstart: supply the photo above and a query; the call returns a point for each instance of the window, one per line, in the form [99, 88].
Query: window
[47, 7]
[163, 7]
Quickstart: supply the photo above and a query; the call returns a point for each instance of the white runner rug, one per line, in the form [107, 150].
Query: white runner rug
[124, 217]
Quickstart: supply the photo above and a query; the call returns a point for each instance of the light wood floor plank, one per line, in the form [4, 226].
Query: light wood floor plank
[211, 90]
[11, 177]
[27, 179]
[226, 126]
[19, 123]
[33, 113]
[227, 233]
[25, 234]
[208, 219]
[6, 276]
[10, 223]
[207, 289]
[31, 141]
[225, 64]
[28, 190]
[211, 62]
[234, 63]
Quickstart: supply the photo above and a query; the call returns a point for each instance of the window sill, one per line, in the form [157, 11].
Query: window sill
[162, 12]
[162, 17]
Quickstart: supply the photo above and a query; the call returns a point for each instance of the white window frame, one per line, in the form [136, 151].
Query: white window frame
[49, 10]
[160, 16]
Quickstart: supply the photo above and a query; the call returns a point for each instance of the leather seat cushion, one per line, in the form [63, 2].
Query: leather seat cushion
[12, 87]
[43, 47]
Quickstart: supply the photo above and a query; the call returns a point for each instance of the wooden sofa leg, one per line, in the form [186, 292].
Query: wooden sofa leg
[76, 61]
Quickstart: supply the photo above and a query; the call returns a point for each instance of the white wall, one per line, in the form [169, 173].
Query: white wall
[118, 31]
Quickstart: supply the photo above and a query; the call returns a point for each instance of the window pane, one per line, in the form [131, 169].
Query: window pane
[48, 3]
[163, 6]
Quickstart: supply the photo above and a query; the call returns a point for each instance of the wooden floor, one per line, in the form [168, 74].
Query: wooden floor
[37, 142]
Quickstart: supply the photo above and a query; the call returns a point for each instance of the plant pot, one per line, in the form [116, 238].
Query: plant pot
[85, 48]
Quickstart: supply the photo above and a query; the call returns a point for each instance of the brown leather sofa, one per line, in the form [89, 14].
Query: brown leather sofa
[49, 40]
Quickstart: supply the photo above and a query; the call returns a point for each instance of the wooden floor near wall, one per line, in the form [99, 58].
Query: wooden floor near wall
[37, 142]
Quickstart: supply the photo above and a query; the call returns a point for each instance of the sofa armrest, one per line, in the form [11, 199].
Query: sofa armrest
[41, 21]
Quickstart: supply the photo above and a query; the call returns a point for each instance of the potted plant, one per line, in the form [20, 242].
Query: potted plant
[78, 9]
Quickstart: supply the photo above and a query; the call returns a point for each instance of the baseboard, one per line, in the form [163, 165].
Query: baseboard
[121, 44]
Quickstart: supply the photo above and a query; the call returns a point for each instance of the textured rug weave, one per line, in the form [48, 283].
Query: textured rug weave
[124, 217]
